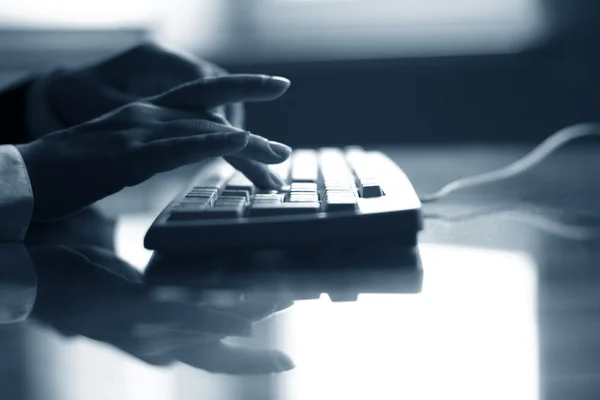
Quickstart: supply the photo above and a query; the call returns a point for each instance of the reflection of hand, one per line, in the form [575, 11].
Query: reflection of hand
[91, 292]
[88, 227]
[73, 168]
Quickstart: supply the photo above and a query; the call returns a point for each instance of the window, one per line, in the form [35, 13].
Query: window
[76, 14]
[334, 29]
[257, 30]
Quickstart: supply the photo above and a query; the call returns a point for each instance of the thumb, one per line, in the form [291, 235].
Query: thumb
[215, 92]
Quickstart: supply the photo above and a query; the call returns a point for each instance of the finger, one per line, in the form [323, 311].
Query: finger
[192, 319]
[234, 112]
[156, 347]
[257, 172]
[182, 127]
[265, 151]
[258, 148]
[152, 353]
[157, 360]
[168, 154]
[109, 261]
[214, 92]
[258, 311]
[223, 358]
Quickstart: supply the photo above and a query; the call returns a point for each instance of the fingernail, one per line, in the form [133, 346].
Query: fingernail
[238, 137]
[285, 363]
[280, 149]
[281, 79]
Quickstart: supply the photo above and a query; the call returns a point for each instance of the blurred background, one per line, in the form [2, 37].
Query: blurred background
[363, 72]
[377, 71]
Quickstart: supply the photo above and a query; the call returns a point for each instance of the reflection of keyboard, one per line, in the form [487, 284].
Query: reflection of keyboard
[344, 196]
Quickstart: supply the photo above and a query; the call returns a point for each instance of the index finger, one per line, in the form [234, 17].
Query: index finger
[219, 91]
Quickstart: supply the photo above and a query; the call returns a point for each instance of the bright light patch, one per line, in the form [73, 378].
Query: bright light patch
[358, 29]
[129, 239]
[471, 334]
[80, 14]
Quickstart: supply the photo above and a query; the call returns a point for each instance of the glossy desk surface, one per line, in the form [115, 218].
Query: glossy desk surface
[505, 305]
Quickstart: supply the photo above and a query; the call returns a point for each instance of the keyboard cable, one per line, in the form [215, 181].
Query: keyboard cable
[545, 218]
[531, 159]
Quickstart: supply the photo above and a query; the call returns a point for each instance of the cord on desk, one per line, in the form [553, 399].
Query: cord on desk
[534, 157]
[536, 216]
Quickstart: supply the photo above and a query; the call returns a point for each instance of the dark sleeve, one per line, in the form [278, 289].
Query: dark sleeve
[13, 128]
[18, 283]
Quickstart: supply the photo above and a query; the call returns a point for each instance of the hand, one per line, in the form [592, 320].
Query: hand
[73, 168]
[65, 99]
[88, 291]
[69, 97]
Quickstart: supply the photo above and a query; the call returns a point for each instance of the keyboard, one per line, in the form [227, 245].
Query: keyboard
[344, 196]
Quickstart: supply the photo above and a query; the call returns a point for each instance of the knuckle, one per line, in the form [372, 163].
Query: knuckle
[214, 116]
[203, 126]
[141, 111]
[148, 47]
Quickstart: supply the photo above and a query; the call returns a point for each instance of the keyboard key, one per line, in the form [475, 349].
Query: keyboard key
[190, 207]
[339, 195]
[268, 210]
[240, 182]
[210, 195]
[215, 183]
[236, 193]
[309, 197]
[303, 187]
[342, 191]
[305, 166]
[368, 185]
[339, 185]
[203, 191]
[370, 189]
[196, 201]
[268, 198]
[230, 201]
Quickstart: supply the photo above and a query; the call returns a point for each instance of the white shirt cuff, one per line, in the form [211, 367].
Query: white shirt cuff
[16, 196]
